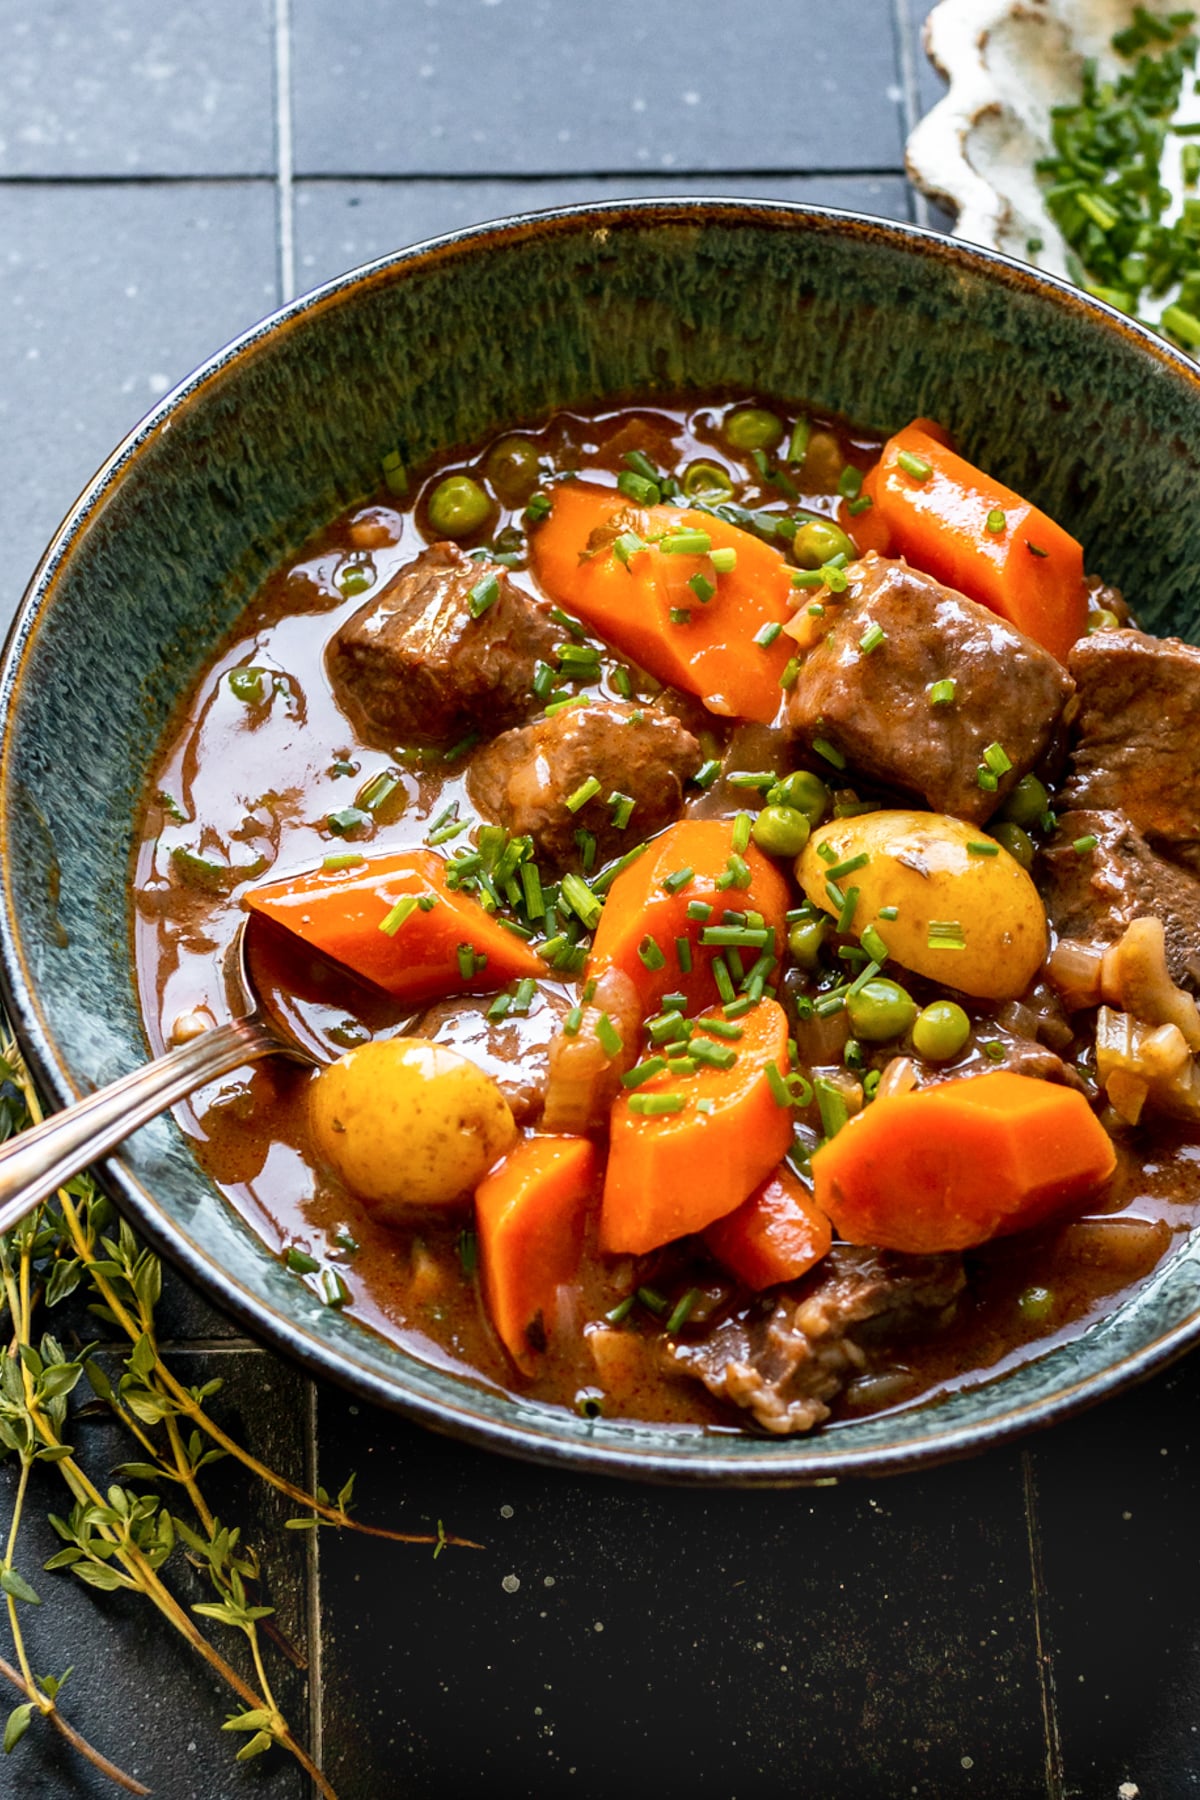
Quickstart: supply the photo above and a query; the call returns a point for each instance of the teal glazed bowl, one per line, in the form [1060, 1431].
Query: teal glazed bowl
[1091, 416]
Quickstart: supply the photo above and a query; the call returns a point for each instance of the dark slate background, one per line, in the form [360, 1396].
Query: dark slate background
[1021, 1625]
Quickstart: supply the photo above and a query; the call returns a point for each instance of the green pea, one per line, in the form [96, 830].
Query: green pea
[880, 1009]
[805, 940]
[706, 478]
[458, 507]
[752, 428]
[512, 469]
[819, 542]
[941, 1031]
[1103, 620]
[1027, 802]
[1018, 843]
[780, 831]
[1036, 1304]
[355, 576]
[804, 792]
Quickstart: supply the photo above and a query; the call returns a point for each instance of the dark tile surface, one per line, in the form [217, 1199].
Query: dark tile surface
[340, 224]
[610, 1638]
[137, 1692]
[137, 88]
[1118, 1497]
[110, 295]
[464, 87]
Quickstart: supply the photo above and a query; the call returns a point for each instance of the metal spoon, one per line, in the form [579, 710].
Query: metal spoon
[37, 1162]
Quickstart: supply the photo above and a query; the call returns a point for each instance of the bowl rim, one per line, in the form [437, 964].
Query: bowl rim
[764, 1463]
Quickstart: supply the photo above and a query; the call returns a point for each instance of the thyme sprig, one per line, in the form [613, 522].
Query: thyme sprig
[122, 1536]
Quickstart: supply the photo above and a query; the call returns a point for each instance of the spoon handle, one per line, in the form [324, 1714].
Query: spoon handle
[36, 1162]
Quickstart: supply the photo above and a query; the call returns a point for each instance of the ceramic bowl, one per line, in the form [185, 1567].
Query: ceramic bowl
[1094, 418]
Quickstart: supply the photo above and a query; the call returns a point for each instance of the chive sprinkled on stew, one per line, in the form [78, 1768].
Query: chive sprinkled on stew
[485, 593]
[871, 638]
[587, 790]
[1084, 845]
[723, 559]
[946, 934]
[914, 465]
[942, 692]
[655, 1106]
[707, 773]
[995, 522]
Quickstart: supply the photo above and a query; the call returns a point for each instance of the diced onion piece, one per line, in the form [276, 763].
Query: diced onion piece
[1074, 970]
[898, 1077]
[1135, 978]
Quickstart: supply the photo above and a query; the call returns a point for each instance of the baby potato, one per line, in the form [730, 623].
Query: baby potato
[922, 864]
[407, 1123]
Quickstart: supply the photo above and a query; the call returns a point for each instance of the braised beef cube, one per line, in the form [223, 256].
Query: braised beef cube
[872, 696]
[531, 780]
[785, 1366]
[1092, 893]
[1138, 749]
[422, 663]
[513, 1050]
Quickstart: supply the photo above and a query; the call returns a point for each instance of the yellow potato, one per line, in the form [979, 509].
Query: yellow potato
[408, 1123]
[920, 863]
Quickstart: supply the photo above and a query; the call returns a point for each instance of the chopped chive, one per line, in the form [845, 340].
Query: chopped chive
[722, 978]
[978, 849]
[831, 1103]
[622, 809]
[703, 589]
[627, 546]
[734, 963]
[699, 910]
[836, 896]
[686, 543]
[644, 1071]
[995, 522]
[994, 1050]
[557, 706]
[606, 878]
[719, 1028]
[874, 945]
[715, 1056]
[611, 1041]
[742, 826]
[470, 961]
[1083, 845]
[567, 623]
[499, 1009]
[650, 953]
[586, 906]
[537, 508]
[683, 1308]
[846, 917]
[531, 882]
[867, 973]
[680, 879]
[622, 681]
[997, 759]
[916, 466]
[723, 559]
[797, 448]
[346, 820]
[638, 488]
[850, 482]
[680, 615]
[861, 505]
[640, 463]
[830, 752]
[523, 998]
[942, 692]
[986, 779]
[778, 1087]
[621, 1311]
[674, 1003]
[790, 674]
[807, 578]
[543, 681]
[586, 844]
[667, 1028]
[300, 1262]
[485, 593]
[573, 1021]
[403, 909]
[737, 1009]
[656, 1106]
[765, 636]
[871, 639]
[848, 867]
[707, 773]
[946, 934]
[587, 790]
[331, 1289]
[342, 859]
[886, 912]
[827, 853]
[738, 870]
[721, 936]
[834, 577]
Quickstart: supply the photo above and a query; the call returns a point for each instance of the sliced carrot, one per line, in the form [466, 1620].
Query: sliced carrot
[643, 916]
[712, 653]
[351, 916]
[948, 1166]
[774, 1236]
[1028, 569]
[674, 1173]
[530, 1213]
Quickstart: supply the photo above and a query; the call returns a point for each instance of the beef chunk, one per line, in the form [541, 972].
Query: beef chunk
[414, 665]
[514, 1051]
[786, 1366]
[525, 778]
[1093, 897]
[874, 704]
[1138, 749]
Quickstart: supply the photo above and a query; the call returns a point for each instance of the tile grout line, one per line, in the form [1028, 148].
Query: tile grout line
[316, 1680]
[908, 85]
[1055, 1788]
[283, 151]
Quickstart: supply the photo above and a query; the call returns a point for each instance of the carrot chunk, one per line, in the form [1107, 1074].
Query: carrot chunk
[530, 1212]
[776, 1235]
[671, 611]
[655, 903]
[371, 920]
[974, 534]
[945, 1167]
[674, 1172]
